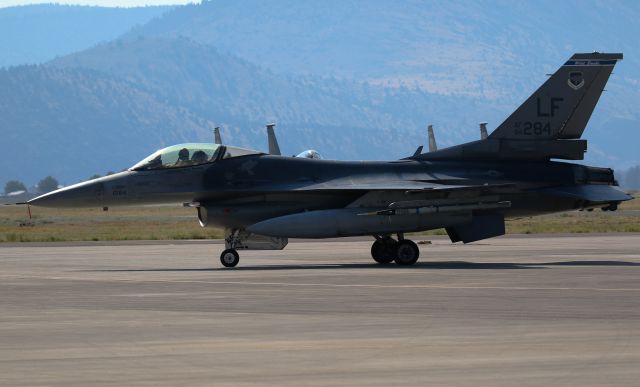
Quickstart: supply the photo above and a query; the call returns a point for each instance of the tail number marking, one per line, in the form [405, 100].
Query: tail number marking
[528, 128]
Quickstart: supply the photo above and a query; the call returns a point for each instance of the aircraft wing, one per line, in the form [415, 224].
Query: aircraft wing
[412, 186]
[442, 203]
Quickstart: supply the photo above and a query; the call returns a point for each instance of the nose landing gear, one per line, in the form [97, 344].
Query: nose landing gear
[240, 239]
[386, 250]
[229, 258]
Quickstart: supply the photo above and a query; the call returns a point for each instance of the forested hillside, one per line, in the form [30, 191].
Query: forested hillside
[352, 81]
[74, 123]
[154, 92]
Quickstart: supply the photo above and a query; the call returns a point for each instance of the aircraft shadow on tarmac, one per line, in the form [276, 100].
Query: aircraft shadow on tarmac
[420, 266]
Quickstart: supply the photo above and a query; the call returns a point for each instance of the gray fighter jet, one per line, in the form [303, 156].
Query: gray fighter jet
[469, 189]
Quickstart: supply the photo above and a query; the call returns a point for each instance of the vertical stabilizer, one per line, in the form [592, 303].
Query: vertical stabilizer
[216, 135]
[562, 106]
[432, 139]
[274, 148]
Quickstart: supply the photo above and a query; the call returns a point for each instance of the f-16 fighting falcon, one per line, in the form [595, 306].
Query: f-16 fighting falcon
[262, 199]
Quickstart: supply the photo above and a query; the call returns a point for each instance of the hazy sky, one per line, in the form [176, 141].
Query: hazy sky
[105, 3]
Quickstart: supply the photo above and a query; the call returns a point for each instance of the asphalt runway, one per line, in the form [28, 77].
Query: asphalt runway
[511, 311]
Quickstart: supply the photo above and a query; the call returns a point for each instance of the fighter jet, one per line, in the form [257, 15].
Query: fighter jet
[262, 199]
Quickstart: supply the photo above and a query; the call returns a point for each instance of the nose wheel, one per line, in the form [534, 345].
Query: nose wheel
[229, 258]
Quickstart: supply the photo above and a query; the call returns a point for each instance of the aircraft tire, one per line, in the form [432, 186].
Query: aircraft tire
[383, 251]
[229, 258]
[407, 253]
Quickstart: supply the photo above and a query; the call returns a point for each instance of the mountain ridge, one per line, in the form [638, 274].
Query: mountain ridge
[151, 81]
[34, 34]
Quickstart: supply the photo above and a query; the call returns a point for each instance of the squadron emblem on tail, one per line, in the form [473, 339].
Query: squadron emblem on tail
[576, 80]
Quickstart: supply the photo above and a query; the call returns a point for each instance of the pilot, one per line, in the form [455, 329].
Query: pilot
[183, 158]
[199, 157]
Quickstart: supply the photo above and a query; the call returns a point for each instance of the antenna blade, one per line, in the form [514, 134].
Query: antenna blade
[216, 135]
[274, 148]
[483, 130]
[432, 139]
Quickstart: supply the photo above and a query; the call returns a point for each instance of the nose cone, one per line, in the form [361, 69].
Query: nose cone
[86, 194]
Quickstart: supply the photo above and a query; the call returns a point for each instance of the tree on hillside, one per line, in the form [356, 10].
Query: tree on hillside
[13, 186]
[47, 184]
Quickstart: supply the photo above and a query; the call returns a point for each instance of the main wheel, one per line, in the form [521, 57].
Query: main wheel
[383, 250]
[229, 258]
[407, 253]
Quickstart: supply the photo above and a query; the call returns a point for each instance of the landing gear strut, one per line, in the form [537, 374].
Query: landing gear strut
[403, 251]
[230, 257]
[240, 239]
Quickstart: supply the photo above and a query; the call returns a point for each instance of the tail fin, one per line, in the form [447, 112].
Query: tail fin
[562, 106]
[550, 122]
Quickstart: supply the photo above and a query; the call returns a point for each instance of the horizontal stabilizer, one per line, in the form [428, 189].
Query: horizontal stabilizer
[591, 192]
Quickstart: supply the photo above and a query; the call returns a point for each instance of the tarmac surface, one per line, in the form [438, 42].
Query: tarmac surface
[510, 311]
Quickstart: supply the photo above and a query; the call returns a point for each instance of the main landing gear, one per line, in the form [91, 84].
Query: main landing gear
[386, 250]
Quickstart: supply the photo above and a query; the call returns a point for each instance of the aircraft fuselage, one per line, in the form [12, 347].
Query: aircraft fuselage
[244, 190]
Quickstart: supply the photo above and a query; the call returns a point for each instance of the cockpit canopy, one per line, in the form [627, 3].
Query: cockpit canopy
[183, 155]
